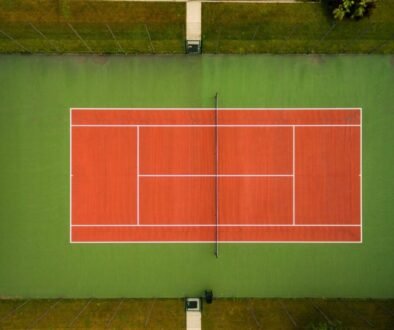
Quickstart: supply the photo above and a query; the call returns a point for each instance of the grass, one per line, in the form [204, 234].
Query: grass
[294, 28]
[221, 314]
[305, 27]
[92, 314]
[44, 26]
[297, 313]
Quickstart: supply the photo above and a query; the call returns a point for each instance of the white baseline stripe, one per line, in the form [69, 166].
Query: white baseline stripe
[222, 225]
[221, 109]
[227, 242]
[209, 125]
[221, 242]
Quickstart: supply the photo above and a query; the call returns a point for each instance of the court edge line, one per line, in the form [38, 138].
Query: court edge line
[224, 242]
[189, 242]
[210, 125]
[361, 174]
[220, 225]
[210, 109]
[70, 170]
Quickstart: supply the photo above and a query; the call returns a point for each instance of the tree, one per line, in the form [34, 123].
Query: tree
[352, 9]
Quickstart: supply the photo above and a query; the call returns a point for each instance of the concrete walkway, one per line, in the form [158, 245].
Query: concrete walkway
[193, 320]
[234, 1]
[193, 20]
[256, 1]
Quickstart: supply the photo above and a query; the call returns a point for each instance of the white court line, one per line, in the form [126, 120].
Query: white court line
[294, 136]
[212, 175]
[209, 125]
[220, 225]
[217, 181]
[361, 173]
[210, 109]
[221, 242]
[138, 175]
[71, 182]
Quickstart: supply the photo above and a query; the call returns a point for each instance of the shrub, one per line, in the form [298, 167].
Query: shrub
[352, 9]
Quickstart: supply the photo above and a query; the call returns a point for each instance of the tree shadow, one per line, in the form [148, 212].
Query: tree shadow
[328, 7]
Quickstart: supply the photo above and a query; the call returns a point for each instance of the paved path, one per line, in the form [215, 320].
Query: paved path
[234, 1]
[193, 320]
[193, 20]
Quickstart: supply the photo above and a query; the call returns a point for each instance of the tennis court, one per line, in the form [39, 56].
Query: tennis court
[207, 175]
[339, 245]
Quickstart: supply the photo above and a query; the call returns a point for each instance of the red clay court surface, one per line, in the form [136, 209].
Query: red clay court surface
[150, 175]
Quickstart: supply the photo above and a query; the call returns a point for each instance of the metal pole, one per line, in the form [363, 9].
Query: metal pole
[288, 313]
[255, 32]
[79, 314]
[114, 314]
[16, 41]
[329, 31]
[292, 32]
[150, 40]
[44, 36]
[375, 49]
[13, 311]
[36, 321]
[218, 40]
[79, 37]
[116, 40]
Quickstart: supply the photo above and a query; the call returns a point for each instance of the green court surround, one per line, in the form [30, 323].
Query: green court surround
[36, 258]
